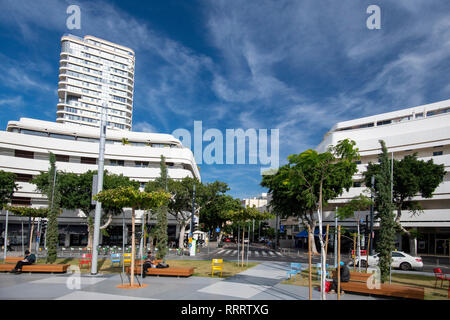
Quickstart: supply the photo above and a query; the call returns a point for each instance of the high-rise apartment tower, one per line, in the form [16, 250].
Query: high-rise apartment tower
[94, 73]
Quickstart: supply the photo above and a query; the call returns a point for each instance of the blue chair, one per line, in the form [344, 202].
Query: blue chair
[116, 258]
[296, 269]
[319, 270]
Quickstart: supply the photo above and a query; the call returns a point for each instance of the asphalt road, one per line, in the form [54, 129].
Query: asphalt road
[259, 252]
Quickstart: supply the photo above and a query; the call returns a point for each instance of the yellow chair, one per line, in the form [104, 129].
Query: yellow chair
[217, 265]
[127, 258]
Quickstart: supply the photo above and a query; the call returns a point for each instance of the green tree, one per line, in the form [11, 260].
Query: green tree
[161, 183]
[180, 205]
[131, 197]
[54, 197]
[385, 207]
[216, 213]
[412, 177]
[310, 179]
[7, 187]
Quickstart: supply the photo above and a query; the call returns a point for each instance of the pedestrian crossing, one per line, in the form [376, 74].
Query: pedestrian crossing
[251, 253]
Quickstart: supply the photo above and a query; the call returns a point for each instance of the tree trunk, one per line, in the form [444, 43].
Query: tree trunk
[107, 223]
[243, 246]
[181, 238]
[397, 220]
[359, 249]
[133, 246]
[312, 225]
[31, 235]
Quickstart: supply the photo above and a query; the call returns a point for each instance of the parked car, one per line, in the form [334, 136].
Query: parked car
[400, 260]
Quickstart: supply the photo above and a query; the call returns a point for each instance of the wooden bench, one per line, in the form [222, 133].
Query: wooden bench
[52, 268]
[13, 260]
[10, 263]
[386, 289]
[356, 276]
[358, 283]
[170, 271]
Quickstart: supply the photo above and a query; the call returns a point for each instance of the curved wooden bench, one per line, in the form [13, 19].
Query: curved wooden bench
[170, 271]
[52, 268]
[386, 289]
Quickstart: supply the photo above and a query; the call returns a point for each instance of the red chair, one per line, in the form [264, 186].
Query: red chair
[440, 276]
[85, 259]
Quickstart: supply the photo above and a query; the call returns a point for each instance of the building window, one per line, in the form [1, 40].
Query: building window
[34, 133]
[88, 160]
[437, 153]
[61, 136]
[358, 161]
[24, 154]
[141, 164]
[62, 158]
[114, 162]
[356, 184]
[381, 123]
[21, 177]
[419, 115]
[20, 201]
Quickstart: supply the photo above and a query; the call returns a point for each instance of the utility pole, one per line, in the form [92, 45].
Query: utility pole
[5, 244]
[372, 181]
[98, 205]
[191, 227]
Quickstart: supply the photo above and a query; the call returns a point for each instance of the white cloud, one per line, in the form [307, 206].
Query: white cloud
[144, 127]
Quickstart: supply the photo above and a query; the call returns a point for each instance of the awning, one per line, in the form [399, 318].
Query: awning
[304, 233]
[73, 229]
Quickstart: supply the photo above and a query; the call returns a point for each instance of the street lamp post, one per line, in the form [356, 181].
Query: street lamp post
[98, 205]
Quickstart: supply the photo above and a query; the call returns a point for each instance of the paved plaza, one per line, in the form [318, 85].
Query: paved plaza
[262, 282]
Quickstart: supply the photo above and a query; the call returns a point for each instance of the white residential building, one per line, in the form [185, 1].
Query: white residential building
[95, 73]
[423, 129]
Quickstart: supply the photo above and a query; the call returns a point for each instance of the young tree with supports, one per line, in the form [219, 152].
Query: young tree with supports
[352, 209]
[245, 215]
[131, 197]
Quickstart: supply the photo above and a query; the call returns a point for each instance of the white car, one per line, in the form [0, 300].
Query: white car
[400, 260]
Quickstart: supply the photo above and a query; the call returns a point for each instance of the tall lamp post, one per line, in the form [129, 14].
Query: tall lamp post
[98, 205]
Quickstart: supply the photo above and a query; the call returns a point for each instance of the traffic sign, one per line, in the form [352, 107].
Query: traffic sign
[217, 229]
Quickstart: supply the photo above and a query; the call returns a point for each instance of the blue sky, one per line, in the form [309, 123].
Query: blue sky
[297, 66]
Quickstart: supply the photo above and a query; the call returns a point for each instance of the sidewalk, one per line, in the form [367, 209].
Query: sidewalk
[259, 283]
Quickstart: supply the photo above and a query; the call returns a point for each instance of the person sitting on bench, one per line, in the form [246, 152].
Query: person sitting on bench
[149, 262]
[345, 277]
[30, 258]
